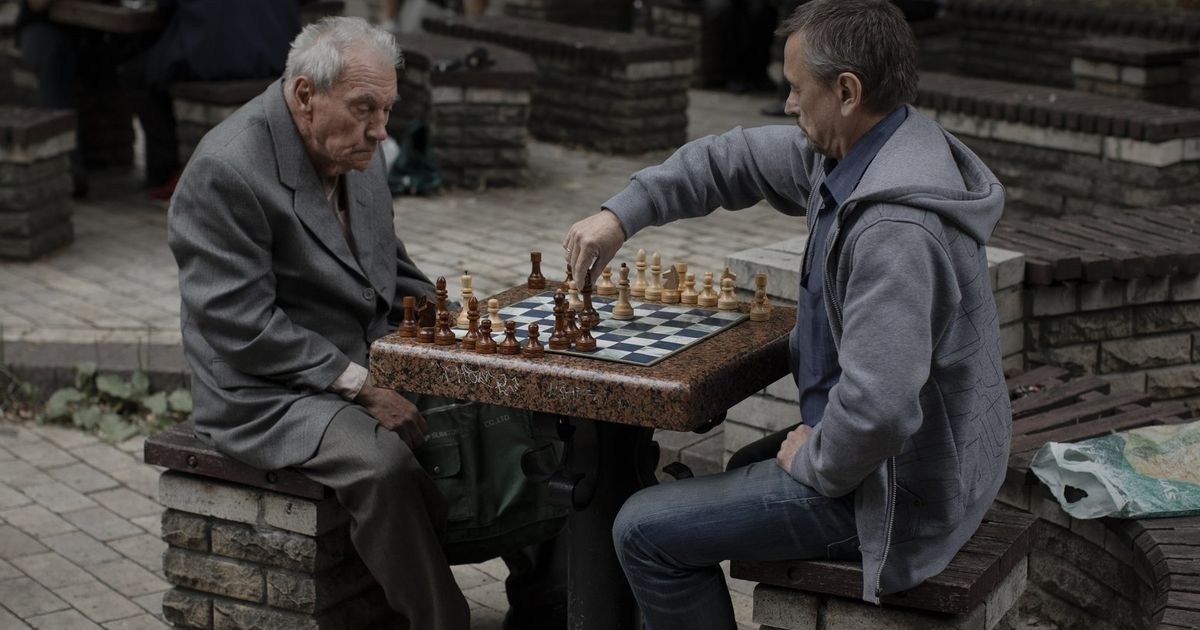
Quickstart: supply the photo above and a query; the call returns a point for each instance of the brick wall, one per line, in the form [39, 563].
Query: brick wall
[1142, 334]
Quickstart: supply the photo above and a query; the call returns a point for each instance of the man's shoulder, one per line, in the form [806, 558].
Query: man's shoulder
[243, 140]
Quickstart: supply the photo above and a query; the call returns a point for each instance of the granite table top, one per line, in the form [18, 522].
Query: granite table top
[679, 393]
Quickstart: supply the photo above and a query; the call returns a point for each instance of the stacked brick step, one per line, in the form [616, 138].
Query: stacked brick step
[612, 92]
[613, 15]
[1063, 151]
[35, 181]
[477, 115]
[1133, 67]
[255, 549]
[18, 83]
[201, 105]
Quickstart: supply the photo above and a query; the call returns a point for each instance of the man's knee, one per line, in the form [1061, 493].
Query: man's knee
[637, 525]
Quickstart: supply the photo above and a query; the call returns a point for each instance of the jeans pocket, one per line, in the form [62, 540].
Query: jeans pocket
[843, 550]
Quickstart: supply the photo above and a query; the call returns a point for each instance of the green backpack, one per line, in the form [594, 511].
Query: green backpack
[477, 455]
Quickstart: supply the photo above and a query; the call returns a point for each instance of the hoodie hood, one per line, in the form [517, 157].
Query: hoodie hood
[922, 166]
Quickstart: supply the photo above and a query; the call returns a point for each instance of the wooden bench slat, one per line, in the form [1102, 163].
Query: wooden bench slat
[1058, 396]
[1103, 426]
[1085, 411]
[1095, 265]
[1041, 376]
[1130, 263]
[1180, 617]
[1181, 536]
[178, 448]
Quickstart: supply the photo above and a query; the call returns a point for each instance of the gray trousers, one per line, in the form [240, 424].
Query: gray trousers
[396, 514]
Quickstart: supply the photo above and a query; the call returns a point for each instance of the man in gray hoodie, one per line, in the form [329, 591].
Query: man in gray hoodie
[905, 417]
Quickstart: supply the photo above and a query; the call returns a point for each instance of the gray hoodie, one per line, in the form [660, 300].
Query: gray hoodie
[918, 426]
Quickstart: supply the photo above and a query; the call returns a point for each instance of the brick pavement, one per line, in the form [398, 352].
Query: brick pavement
[79, 523]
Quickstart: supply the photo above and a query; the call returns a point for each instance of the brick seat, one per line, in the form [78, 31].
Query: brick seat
[201, 105]
[477, 116]
[612, 92]
[35, 181]
[253, 548]
[1139, 573]
[1062, 151]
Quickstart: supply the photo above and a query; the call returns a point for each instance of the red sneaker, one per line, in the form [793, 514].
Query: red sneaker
[164, 192]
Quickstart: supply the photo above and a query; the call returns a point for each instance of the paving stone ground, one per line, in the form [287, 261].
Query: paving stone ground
[79, 521]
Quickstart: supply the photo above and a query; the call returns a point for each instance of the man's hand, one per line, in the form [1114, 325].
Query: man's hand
[592, 243]
[394, 412]
[787, 451]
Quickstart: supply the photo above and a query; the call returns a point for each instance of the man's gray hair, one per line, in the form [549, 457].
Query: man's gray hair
[868, 38]
[319, 51]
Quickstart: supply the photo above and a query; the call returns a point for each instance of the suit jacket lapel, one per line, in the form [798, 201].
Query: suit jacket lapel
[296, 171]
[365, 225]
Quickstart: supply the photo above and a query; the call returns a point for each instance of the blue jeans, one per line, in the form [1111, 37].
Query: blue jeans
[671, 538]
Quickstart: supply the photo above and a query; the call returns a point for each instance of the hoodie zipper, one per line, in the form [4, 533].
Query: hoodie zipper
[890, 520]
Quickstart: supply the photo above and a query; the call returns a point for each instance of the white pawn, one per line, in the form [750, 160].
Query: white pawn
[728, 300]
[708, 297]
[689, 295]
[494, 313]
[573, 299]
[467, 294]
[606, 286]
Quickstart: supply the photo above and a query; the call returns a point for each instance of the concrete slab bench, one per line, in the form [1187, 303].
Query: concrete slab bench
[253, 548]
[477, 115]
[35, 181]
[201, 105]
[612, 92]
[1064, 151]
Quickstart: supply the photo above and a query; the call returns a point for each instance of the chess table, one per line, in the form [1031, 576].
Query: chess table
[612, 408]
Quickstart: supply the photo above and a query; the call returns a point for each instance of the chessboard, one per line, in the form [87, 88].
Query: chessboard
[656, 332]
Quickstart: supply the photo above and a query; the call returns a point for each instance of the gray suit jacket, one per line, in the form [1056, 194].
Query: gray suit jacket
[275, 302]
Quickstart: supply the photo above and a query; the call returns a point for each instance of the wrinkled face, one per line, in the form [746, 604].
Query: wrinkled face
[815, 104]
[347, 123]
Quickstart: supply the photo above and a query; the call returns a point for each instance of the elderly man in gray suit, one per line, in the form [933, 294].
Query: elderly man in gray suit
[289, 268]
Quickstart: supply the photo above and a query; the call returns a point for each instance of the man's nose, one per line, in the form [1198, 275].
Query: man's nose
[790, 106]
[377, 128]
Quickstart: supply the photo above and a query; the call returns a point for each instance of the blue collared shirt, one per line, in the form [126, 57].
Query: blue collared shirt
[816, 365]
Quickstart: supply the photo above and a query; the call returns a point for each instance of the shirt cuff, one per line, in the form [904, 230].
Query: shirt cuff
[351, 381]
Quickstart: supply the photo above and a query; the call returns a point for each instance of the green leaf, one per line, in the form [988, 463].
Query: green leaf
[60, 403]
[87, 417]
[114, 386]
[115, 429]
[140, 383]
[180, 400]
[85, 373]
[156, 403]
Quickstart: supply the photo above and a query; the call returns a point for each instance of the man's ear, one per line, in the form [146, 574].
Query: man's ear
[849, 91]
[302, 94]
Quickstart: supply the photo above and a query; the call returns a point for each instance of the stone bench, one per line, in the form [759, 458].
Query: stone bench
[35, 181]
[612, 92]
[1133, 67]
[252, 548]
[1067, 152]
[978, 590]
[477, 116]
[201, 105]
[1103, 573]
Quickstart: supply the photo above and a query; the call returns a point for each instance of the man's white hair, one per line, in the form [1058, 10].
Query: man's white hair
[319, 51]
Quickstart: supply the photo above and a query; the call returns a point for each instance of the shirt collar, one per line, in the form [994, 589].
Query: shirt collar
[842, 176]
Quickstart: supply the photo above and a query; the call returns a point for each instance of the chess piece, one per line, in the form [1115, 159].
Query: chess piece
[728, 300]
[510, 345]
[689, 295]
[570, 276]
[494, 313]
[408, 325]
[468, 294]
[536, 279]
[654, 291]
[573, 299]
[558, 337]
[426, 320]
[533, 348]
[759, 312]
[472, 337]
[589, 311]
[728, 273]
[638, 288]
[585, 342]
[444, 336]
[572, 330]
[606, 287]
[672, 280]
[760, 283]
[708, 297]
[440, 294]
[485, 345]
[622, 310]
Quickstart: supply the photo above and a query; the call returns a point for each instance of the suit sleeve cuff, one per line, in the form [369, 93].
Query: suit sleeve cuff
[350, 382]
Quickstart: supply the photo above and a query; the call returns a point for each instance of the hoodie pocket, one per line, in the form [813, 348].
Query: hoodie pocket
[843, 549]
[909, 511]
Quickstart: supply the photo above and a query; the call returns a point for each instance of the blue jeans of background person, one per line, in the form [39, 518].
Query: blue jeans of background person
[670, 539]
